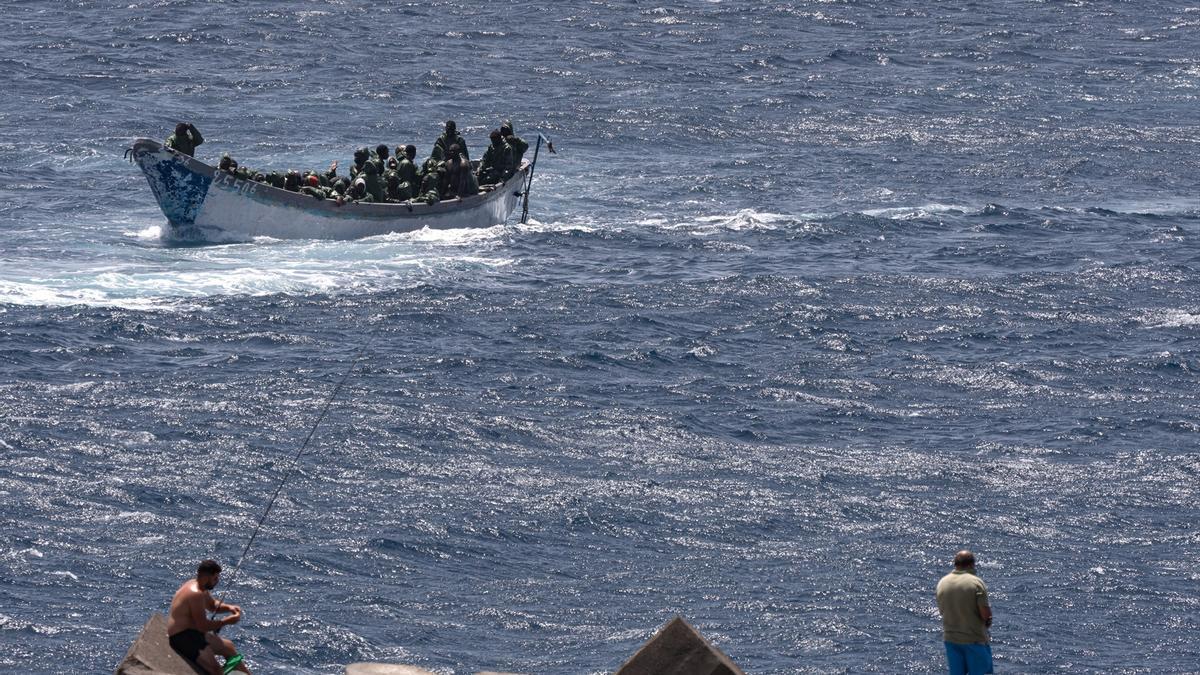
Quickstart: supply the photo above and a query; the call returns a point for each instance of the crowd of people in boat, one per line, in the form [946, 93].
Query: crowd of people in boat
[386, 176]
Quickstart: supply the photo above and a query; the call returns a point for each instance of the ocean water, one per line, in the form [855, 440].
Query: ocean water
[813, 294]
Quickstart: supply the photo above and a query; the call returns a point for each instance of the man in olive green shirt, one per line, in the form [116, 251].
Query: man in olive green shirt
[185, 139]
[962, 599]
[518, 146]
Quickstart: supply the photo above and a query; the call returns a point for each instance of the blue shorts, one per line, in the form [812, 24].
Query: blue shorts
[969, 658]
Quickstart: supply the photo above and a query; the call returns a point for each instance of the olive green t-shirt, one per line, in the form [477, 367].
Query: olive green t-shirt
[960, 594]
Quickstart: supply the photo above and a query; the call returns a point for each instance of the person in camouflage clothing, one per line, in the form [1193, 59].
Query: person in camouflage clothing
[312, 187]
[397, 190]
[433, 162]
[185, 139]
[431, 192]
[518, 146]
[358, 192]
[374, 181]
[451, 137]
[497, 163]
[380, 158]
[339, 190]
[361, 156]
[405, 168]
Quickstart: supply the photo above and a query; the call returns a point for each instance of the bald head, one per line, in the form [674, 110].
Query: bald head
[964, 559]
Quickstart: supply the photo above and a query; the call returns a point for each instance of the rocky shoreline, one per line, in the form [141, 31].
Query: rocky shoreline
[676, 649]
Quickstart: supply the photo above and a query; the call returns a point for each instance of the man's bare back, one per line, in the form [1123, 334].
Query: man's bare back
[190, 631]
[187, 600]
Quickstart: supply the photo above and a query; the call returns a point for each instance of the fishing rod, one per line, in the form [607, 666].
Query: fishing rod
[299, 453]
[532, 166]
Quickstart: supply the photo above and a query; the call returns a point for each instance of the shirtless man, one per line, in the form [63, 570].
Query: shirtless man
[190, 630]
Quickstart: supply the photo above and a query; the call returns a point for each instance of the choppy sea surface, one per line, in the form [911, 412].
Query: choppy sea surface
[813, 295]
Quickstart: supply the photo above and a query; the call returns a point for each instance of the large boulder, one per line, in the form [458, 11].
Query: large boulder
[151, 653]
[678, 649]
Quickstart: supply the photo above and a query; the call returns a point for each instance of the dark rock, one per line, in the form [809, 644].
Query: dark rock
[151, 653]
[678, 649]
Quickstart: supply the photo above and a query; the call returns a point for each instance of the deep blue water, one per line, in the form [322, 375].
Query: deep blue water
[814, 294]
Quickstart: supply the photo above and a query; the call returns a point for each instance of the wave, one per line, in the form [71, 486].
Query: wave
[167, 277]
[1171, 318]
[1009, 217]
[147, 271]
[144, 271]
[747, 219]
[916, 212]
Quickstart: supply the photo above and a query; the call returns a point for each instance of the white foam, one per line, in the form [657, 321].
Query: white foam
[1156, 207]
[1170, 318]
[174, 278]
[914, 212]
[32, 294]
[451, 237]
[739, 221]
[556, 226]
[747, 217]
[151, 233]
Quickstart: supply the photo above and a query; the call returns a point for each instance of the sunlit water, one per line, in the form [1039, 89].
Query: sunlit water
[813, 295]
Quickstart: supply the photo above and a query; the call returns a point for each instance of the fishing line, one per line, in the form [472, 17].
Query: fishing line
[299, 453]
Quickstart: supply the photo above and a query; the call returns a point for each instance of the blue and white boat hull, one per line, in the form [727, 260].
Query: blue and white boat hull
[201, 202]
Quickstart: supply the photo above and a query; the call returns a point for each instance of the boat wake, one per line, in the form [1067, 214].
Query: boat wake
[145, 269]
[159, 274]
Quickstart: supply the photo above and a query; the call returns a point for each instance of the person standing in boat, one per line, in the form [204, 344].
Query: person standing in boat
[185, 139]
[451, 137]
[518, 146]
[189, 630]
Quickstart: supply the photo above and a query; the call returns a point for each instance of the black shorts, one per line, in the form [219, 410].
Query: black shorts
[188, 643]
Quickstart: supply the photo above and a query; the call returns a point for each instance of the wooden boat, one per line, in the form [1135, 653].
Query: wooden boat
[205, 204]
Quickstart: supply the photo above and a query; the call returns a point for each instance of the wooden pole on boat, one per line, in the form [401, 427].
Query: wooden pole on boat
[532, 166]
